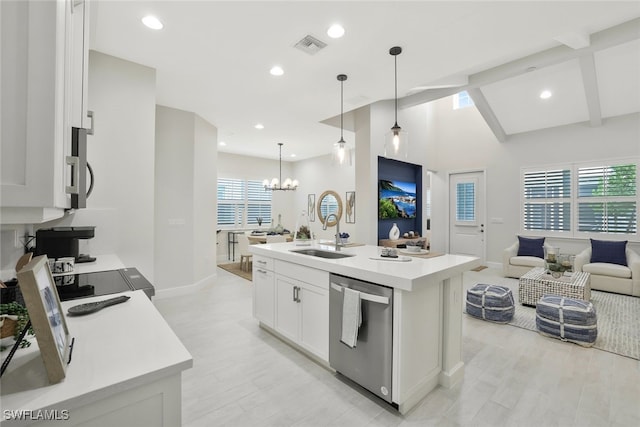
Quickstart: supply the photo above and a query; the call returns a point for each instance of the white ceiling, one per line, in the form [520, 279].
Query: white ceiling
[213, 58]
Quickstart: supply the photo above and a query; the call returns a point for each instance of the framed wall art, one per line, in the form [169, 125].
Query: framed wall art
[351, 207]
[311, 207]
[46, 315]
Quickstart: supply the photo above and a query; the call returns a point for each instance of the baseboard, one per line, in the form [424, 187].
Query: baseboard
[184, 290]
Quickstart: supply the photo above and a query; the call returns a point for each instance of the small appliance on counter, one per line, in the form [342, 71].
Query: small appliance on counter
[62, 242]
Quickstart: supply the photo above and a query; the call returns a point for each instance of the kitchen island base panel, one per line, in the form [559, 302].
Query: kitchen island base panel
[426, 351]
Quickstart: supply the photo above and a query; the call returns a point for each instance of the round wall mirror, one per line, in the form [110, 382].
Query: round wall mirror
[329, 203]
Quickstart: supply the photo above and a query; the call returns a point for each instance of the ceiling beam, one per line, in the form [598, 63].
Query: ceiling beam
[604, 39]
[487, 113]
[590, 82]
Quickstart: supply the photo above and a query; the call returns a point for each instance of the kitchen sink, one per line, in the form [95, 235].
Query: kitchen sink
[321, 254]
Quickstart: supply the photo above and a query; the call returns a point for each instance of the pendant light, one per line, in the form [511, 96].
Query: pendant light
[341, 155]
[276, 184]
[397, 140]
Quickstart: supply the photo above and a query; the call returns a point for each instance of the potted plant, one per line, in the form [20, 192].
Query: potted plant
[13, 319]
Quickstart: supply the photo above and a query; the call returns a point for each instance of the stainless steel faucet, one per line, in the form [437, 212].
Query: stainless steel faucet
[324, 227]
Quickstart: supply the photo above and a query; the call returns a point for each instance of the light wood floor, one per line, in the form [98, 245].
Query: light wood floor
[243, 376]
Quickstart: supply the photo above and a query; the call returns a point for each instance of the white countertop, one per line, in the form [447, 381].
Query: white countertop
[117, 348]
[395, 274]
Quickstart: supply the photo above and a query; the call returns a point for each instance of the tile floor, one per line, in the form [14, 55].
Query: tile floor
[243, 376]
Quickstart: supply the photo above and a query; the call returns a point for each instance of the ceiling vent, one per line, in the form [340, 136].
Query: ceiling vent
[310, 45]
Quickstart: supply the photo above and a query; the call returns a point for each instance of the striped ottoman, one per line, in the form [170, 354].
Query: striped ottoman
[568, 319]
[490, 302]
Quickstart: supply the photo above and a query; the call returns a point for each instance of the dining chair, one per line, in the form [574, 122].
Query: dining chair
[243, 249]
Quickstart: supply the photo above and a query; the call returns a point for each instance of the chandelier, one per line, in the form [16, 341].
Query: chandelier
[276, 184]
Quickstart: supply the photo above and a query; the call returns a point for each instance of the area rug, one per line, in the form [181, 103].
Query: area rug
[618, 319]
[235, 269]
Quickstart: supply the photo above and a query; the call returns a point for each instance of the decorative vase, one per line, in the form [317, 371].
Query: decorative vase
[279, 227]
[394, 233]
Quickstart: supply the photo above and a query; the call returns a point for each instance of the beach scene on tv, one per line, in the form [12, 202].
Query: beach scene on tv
[397, 199]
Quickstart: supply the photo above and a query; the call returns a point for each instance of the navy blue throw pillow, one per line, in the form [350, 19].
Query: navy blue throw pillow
[609, 252]
[528, 246]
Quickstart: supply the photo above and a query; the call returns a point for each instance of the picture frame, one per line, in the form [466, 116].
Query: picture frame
[311, 207]
[47, 317]
[350, 198]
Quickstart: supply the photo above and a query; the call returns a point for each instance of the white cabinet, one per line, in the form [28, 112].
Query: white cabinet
[263, 290]
[302, 307]
[41, 76]
[77, 17]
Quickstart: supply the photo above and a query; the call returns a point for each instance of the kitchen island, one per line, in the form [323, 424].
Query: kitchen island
[427, 315]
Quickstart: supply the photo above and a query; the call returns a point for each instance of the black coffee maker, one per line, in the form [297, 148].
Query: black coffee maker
[60, 242]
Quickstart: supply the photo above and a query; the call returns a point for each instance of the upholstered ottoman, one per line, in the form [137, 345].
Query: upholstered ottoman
[568, 319]
[490, 302]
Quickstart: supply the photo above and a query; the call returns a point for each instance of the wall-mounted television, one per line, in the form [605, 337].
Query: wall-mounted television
[396, 199]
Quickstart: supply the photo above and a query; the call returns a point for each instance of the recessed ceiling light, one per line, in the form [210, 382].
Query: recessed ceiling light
[335, 31]
[259, 126]
[293, 155]
[276, 71]
[545, 94]
[222, 143]
[152, 22]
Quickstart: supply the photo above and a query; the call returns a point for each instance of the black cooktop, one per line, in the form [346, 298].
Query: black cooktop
[73, 286]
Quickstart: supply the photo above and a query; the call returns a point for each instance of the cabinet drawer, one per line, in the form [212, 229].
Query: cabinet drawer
[263, 262]
[305, 274]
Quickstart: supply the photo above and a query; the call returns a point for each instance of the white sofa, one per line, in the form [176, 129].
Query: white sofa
[612, 277]
[514, 265]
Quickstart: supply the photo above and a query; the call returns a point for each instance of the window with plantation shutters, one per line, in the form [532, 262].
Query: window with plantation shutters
[547, 200]
[607, 199]
[466, 203]
[242, 203]
[582, 200]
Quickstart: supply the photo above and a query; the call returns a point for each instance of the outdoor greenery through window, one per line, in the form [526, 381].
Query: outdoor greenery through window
[582, 199]
[243, 203]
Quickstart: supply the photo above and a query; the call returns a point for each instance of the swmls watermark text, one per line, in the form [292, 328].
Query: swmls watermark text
[36, 415]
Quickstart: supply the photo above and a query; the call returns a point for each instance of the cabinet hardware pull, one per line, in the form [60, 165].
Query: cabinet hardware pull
[294, 293]
[262, 271]
[91, 115]
[297, 293]
[262, 262]
[74, 162]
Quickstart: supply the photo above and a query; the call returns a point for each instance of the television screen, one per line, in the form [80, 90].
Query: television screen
[396, 199]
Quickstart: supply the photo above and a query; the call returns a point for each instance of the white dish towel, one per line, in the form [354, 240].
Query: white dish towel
[351, 317]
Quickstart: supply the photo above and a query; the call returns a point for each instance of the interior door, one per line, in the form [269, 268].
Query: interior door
[467, 214]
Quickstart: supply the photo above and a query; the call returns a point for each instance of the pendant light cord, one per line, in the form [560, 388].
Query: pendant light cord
[341, 107]
[395, 61]
[280, 182]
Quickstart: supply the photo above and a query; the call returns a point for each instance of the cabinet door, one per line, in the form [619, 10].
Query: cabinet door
[263, 295]
[287, 309]
[314, 320]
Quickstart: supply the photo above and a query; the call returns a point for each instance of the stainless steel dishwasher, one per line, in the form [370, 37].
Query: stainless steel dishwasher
[369, 363]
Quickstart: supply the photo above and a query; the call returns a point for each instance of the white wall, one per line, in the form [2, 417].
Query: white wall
[205, 205]
[185, 193]
[318, 175]
[463, 141]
